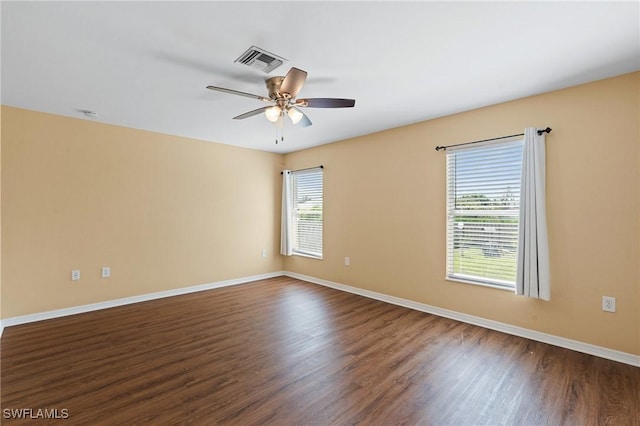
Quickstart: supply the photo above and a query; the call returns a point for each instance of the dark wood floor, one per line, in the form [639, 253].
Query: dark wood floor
[281, 351]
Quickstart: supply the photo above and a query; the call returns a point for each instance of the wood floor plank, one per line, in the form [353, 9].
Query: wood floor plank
[282, 351]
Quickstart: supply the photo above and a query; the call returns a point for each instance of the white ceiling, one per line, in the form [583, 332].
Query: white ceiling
[145, 65]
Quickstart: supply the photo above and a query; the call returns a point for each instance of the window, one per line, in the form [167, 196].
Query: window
[306, 186]
[483, 208]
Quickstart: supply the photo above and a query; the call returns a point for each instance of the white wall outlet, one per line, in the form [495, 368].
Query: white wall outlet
[347, 261]
[106, 272]
[608, 304]
[75, 275]
[264, 252]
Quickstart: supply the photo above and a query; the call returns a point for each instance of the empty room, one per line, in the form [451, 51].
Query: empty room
[322, 213]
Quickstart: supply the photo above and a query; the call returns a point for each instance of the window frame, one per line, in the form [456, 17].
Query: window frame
[452, 213]
[295, 213]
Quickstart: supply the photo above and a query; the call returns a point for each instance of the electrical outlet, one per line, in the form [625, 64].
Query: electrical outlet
[264, 252]
[347, 261]
[608, 304]
[75, 274]
[106, 272]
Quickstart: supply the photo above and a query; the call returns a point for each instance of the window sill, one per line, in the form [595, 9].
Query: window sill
[309, 256]
[481, 284]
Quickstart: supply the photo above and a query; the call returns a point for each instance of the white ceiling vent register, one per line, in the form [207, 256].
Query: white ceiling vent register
[256, 57]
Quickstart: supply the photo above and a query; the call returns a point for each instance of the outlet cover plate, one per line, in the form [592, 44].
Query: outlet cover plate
[106, 272]
[608, 304]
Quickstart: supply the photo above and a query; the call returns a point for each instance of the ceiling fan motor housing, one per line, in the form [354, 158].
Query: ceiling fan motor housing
[273, 86]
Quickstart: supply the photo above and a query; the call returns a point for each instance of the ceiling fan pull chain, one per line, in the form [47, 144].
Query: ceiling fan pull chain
[281, 135]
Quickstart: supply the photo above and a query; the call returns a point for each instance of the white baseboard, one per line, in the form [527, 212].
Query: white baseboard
[562, 342]
[7, 322]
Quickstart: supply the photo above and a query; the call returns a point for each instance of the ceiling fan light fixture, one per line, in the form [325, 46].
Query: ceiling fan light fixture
[273, 113]
[295, 115]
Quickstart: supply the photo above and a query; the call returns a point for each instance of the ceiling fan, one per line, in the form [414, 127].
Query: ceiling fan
[282, 94]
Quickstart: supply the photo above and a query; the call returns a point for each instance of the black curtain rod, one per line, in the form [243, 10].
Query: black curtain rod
[308, 168]
[540, 131]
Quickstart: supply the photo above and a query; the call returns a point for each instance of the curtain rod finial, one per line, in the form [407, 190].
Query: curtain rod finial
[547, 130]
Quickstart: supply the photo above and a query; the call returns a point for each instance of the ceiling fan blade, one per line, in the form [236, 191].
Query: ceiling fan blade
[293, 82]
[326, 103]
[250, 113]
[236, 92]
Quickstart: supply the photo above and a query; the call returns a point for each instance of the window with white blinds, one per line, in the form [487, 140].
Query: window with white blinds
[483, 208]
[307, 212]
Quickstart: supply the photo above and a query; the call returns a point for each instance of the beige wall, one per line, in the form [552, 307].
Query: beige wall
[167, 212]
[163, 212]
[0, 219]
[385, 209]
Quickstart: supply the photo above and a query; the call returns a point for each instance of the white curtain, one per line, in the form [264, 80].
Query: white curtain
[533, 249]
[286, 231]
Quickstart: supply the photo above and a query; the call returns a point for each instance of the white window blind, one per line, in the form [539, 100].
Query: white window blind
[307, 211]
[483, 205]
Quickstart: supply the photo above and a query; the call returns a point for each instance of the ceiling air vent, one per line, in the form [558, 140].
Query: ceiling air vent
[256, 57]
